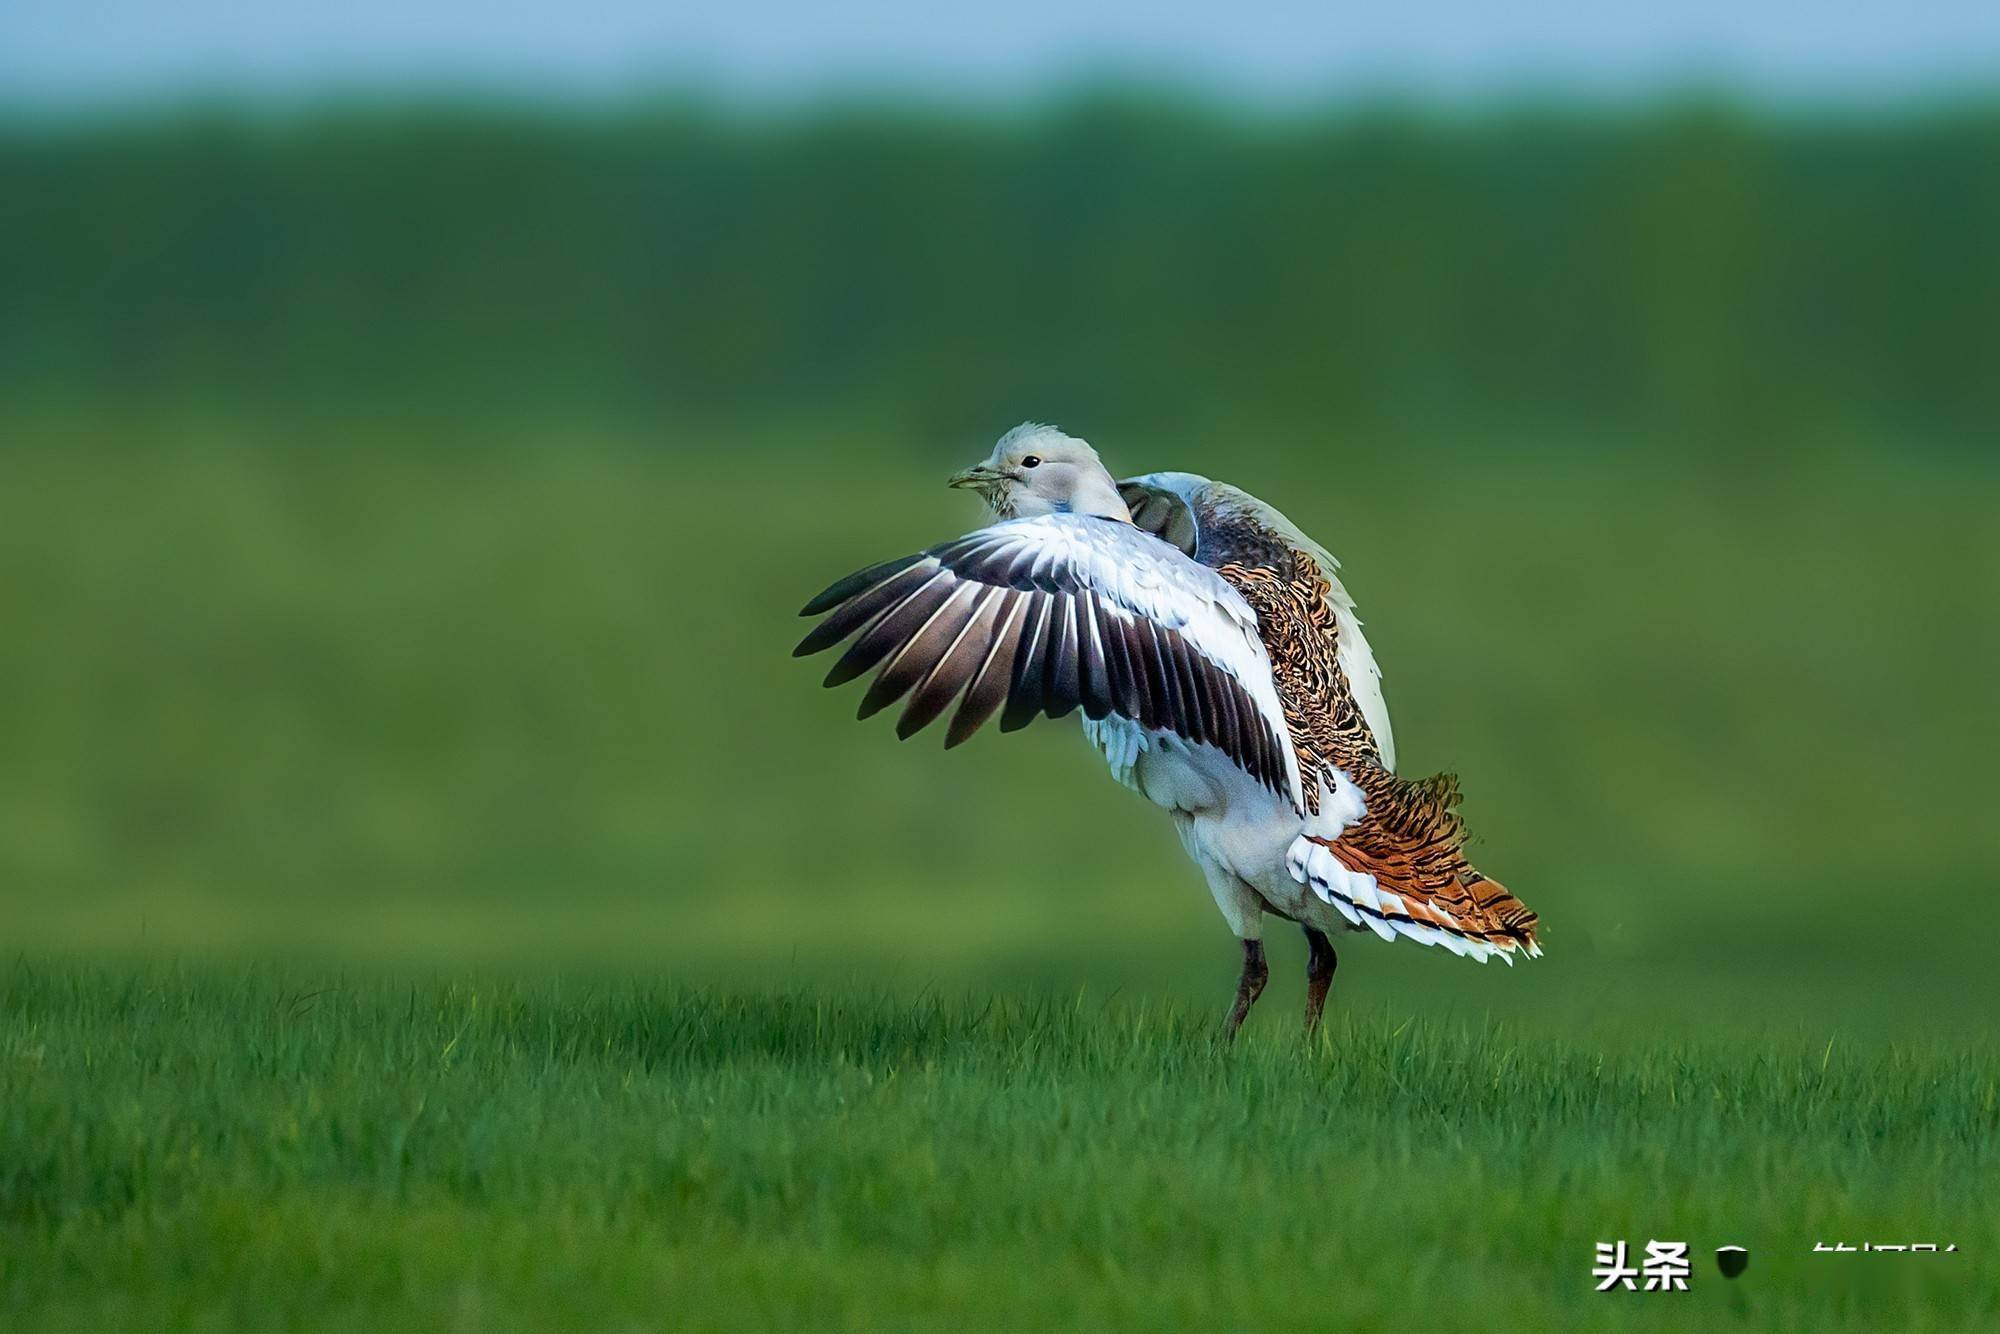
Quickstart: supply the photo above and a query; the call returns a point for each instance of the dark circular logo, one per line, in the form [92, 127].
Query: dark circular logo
[1731, 1260]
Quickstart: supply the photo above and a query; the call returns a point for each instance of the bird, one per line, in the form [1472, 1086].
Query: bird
[1222, 672]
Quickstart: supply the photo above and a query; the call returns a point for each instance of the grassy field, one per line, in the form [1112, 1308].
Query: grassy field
[273, 1148]
[434, 900]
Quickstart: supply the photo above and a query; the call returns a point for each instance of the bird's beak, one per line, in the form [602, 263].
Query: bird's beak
[976, 479]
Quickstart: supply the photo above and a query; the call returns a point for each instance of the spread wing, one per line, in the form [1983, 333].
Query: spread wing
[1049, 614]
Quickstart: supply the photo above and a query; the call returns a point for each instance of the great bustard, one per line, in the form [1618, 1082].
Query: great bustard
[1221, 670]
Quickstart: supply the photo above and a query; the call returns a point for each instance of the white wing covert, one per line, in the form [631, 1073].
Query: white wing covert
[1048, 614]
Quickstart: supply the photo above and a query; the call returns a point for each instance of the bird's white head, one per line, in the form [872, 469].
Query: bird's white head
[1036, 470]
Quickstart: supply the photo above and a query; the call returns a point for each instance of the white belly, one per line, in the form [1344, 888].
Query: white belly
[1236, 829]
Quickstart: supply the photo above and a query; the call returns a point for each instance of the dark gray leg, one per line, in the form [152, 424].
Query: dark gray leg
[1248, 987]
[1320, 964]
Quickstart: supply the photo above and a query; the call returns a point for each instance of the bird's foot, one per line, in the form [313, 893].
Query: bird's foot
[1320, 963]
[1249, 987]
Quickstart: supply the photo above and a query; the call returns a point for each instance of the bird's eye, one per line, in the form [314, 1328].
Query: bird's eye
[1032, 461]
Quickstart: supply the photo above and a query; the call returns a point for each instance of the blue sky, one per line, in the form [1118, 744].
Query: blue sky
[88, 51]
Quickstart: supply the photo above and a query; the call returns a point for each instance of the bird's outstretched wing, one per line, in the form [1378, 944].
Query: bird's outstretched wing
[1045, 615]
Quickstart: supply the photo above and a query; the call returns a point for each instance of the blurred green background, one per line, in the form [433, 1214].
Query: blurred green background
[404, 507]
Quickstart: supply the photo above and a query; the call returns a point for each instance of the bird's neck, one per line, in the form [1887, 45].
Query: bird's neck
[1099, 496]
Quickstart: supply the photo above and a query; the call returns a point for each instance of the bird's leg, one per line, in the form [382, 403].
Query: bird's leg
[1320, 964]
[1248, 987]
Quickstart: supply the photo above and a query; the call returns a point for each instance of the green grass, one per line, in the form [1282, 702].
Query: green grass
[433, 899]
[192, 1148]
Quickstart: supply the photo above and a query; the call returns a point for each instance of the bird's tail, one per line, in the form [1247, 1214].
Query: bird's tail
[1401, 870]
[1470, 915]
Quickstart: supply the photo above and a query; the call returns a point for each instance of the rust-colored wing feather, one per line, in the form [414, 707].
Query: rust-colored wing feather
[1410, 838]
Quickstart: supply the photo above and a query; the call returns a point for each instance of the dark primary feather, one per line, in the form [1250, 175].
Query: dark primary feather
[994, 675]
[1024, 698]
[1204, 693]
[1124, 687]
[1190, 689]
[1014, 572]
[1093, 665]
[1139, 654]
[895, 626]
[1225, 721]
[860, 606]
[1060, 686]
[912, 662]
[955, 666]
[1166, 681]
[1003, 629]
[844, 589]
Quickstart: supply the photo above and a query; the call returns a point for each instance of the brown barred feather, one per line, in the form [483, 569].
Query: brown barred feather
[1411, 838]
